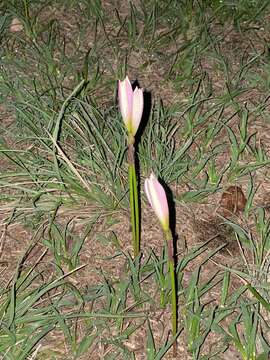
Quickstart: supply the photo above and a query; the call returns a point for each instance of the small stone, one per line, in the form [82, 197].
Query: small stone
[16, 25]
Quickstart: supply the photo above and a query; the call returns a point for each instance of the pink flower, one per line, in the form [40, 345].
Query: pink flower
[131, 105]
[158, 200]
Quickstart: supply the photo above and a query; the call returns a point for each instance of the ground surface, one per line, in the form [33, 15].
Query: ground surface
[66, 275]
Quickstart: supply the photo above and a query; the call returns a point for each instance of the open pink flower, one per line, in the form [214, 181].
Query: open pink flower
[131, 105]
[158, 200]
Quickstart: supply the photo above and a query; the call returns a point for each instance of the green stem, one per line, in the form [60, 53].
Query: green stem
[132, 208]
[171, 267]
[136, 211]
[134, 198]
[174, 298]
[26, 9]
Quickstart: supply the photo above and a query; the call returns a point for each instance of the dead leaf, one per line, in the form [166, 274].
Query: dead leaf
[232, 201]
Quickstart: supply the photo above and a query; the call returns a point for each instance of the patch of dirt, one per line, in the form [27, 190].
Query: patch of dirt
[196, 223]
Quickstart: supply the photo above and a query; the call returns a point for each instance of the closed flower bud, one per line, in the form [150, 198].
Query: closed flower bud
[131, 105]
[157, 198]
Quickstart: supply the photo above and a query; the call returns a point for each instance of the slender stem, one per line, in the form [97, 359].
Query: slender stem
[171, 267]
[136, 210]
[134, 198]
[26, 9]
[131, 204]
[174, 298]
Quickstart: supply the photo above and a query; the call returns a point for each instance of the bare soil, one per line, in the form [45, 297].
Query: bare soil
[196, 223]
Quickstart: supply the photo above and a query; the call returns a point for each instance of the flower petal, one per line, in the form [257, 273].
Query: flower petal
[147, 190]
[137, 109]
[125, 94]
[158, 200]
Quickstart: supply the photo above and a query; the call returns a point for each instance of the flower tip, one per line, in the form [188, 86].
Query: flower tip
[125, 81]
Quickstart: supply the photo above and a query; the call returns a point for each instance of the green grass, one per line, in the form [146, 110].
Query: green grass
[64, 176]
